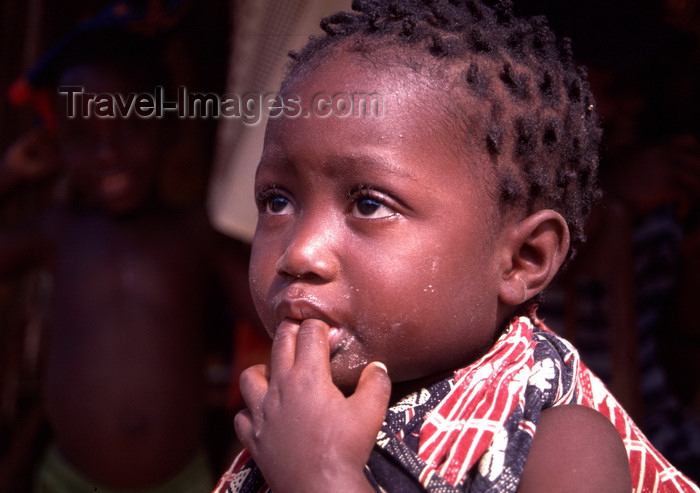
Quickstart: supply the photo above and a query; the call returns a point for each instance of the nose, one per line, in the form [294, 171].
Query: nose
[310, 253]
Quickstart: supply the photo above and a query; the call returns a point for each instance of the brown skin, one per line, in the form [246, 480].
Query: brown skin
[124, 386]
[124, 372]
[375, 242]
[575, 449]
[124, 378]
[125, 355]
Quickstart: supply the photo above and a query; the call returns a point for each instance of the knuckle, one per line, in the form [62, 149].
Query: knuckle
[252, 372]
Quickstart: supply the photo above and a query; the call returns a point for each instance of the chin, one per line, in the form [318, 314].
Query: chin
[346, 378]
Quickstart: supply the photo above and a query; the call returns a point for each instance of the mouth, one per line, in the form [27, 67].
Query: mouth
[336, 340]
[115, 183]
[300, 309]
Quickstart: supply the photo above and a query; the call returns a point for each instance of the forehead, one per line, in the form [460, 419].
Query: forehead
[411, 113]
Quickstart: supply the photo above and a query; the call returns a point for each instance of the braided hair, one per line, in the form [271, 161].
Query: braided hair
[538, 123]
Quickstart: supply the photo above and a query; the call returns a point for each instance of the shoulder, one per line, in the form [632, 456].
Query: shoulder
[575, 449]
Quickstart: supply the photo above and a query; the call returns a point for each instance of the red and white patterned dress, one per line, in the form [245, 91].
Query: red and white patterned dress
[473, 432]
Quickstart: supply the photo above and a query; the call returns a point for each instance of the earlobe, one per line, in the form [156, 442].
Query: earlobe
[535, 250]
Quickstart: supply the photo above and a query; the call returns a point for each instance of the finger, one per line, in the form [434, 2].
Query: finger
[372, 393]
[243, 424]
[253, 384]
[283, 347]
[312, 350]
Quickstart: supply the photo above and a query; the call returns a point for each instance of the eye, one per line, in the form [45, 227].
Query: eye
[272, 202]
[367, 203]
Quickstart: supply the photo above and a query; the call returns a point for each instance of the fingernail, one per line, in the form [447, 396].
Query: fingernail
[381, 365]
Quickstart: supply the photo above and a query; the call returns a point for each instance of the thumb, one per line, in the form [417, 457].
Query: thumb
[373, 392]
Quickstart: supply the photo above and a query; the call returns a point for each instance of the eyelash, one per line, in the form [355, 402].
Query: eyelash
[265, 192]
[262, 197]
[363, 191]
[354, 196]
[357, 193]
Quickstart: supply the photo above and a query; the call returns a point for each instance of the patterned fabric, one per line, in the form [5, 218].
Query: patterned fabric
[658, 257]
[473, 432]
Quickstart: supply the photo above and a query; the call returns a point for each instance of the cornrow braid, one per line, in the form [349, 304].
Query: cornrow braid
[540, 127]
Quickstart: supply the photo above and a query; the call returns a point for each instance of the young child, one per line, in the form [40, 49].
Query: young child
[132, 286]
[398, 259]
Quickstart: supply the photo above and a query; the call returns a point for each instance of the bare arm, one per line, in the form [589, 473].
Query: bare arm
[303, 433]
[576, 449]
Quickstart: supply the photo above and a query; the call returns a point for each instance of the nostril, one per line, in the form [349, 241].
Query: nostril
[306, 264]
[289, 270]
[310, 249]
[284, 270]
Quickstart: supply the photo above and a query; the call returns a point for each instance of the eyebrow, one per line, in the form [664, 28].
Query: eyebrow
[368, 161]
[339, 164]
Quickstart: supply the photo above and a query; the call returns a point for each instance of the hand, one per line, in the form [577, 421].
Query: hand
[303, 433]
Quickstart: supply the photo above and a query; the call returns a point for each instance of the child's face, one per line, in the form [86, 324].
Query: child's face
[112, 162]
[380, 229]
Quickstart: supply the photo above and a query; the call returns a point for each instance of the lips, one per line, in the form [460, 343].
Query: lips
[300, 309]
[115, 183]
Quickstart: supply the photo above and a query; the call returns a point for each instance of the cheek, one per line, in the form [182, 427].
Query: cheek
[440, 288]
[393, 291]
[261, 274]
[258, 286]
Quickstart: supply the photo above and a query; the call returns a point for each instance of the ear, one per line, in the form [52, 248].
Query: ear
[535, 249]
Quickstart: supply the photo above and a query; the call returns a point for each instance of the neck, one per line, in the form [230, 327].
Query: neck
[399, 390]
